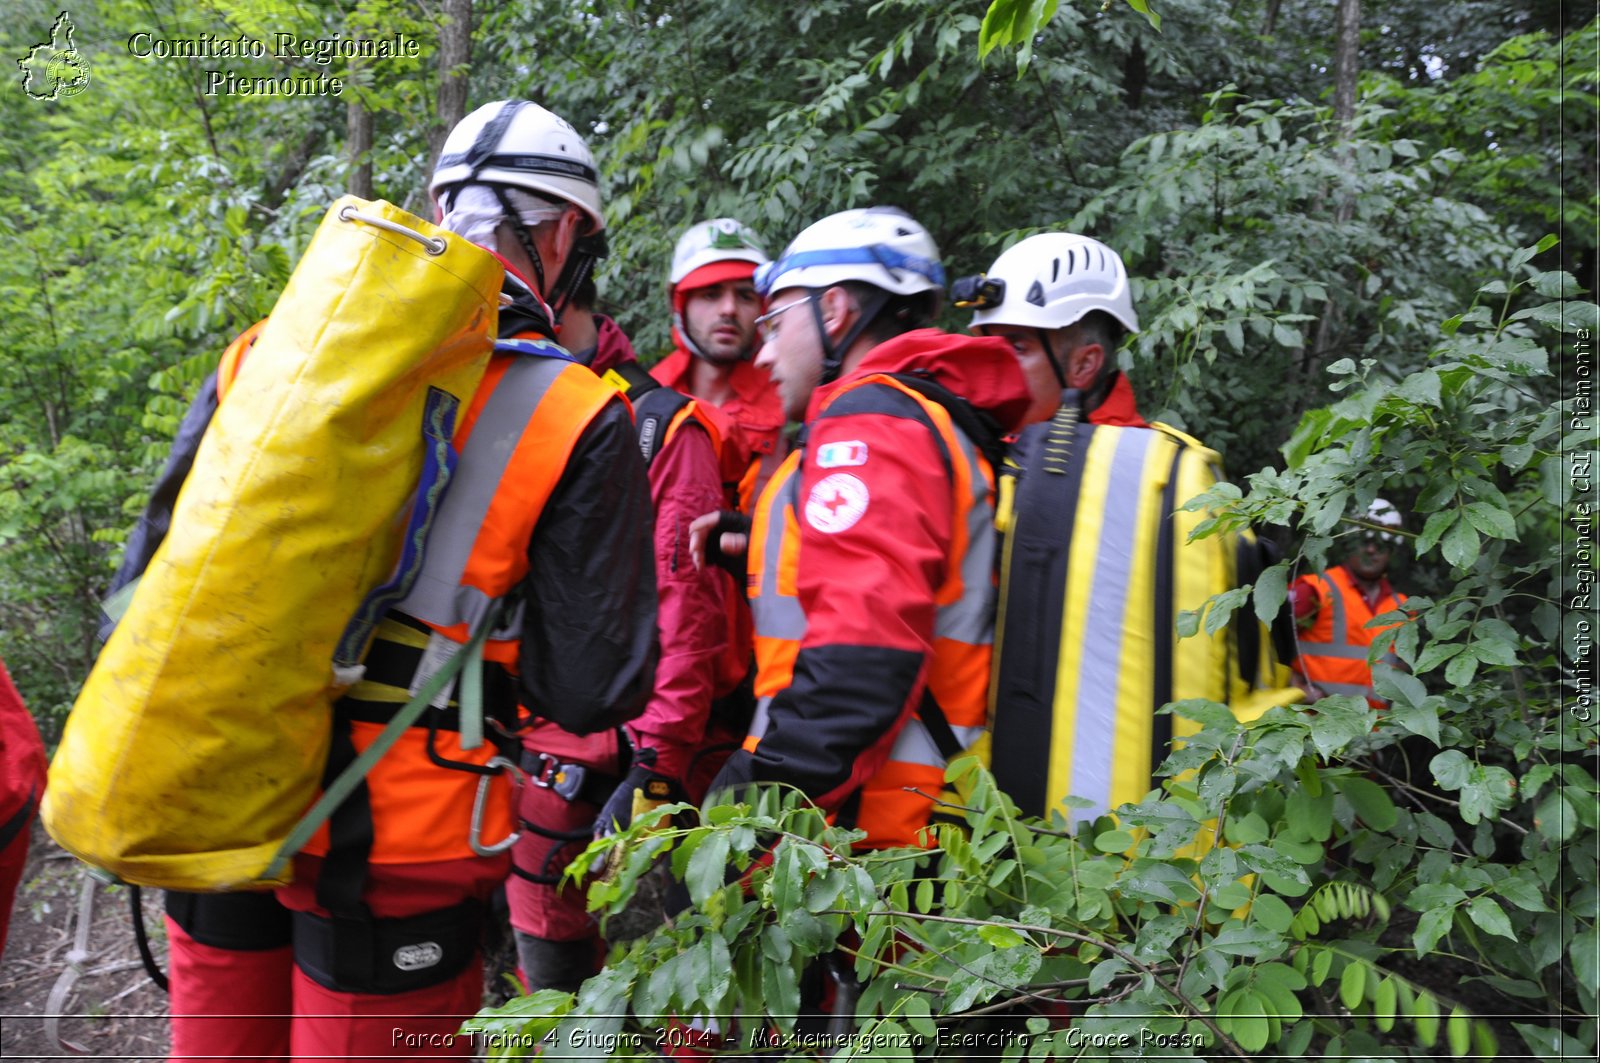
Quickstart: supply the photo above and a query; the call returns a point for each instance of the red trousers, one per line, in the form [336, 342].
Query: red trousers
[260, 1003]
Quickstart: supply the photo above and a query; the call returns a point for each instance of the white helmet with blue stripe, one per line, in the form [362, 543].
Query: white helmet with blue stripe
[881, 246]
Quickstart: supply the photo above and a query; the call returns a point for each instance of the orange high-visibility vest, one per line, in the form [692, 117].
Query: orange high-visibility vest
[1333, 652]
[958, 673]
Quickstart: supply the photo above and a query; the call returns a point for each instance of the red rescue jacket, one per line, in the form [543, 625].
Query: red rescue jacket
[871, 577]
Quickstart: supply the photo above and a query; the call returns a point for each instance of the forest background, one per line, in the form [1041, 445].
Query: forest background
[1361, 235]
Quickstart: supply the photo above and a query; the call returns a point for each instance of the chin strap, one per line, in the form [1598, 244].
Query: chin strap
[525, 238]
[1050, 353]
[833, 354]
[681, 327]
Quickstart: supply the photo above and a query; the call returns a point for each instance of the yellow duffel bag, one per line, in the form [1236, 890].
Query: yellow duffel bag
[200, 736]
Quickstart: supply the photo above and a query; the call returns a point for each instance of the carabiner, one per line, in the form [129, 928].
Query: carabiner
[475, 832]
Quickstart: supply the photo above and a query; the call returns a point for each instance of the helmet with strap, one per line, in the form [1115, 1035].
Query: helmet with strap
[1049, 282]
[1052, 280]
[882, 247]
[708, 253]
[516, 144]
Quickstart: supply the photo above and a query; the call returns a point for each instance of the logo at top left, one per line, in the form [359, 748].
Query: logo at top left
[55, 69]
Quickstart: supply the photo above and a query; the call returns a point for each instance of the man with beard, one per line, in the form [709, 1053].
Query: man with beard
[714, 308]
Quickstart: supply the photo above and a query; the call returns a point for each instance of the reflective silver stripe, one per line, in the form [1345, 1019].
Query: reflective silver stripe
[762, 718]
[1341, 630]
[970, 618]
[1344, 688]
[1094, 739]
[1328, 649]
[914, 745]
[438, 596]
[778, 616]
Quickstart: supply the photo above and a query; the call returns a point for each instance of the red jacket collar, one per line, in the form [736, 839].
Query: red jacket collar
[751, 383]
[1120, 408]
[611, 345]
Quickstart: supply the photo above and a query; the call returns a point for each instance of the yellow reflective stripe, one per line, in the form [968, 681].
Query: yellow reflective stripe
[367, 690]
[1201, 663]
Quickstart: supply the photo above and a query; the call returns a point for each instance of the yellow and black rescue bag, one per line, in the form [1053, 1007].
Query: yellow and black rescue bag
[1095, 569]
[202, 732]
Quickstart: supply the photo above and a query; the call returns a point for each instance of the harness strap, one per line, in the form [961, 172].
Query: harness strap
[402, 954]
[1165, 619]
[654, 407]
[938, 727]
[982, 429]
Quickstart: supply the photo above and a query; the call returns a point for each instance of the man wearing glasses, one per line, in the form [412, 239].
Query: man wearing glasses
[870, 549]
[1332, 611]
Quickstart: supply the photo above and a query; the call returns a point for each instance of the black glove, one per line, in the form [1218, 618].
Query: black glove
[729, 520]
[641, 791]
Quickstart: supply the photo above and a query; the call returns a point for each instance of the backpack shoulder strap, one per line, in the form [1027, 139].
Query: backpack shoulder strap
[976, 425]
[654, 407]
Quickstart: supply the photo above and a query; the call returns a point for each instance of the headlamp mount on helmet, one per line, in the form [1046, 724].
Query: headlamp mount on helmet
[977, 292]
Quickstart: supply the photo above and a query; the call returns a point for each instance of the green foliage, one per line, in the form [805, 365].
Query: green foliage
[147, 224]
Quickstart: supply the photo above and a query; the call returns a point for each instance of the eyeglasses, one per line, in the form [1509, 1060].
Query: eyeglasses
[764, 323]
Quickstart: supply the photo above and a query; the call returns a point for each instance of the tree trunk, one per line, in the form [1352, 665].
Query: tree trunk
[1269, 25]
[1346, 68]
[455, 51]
[1135, 75]
[358, 143]
[1346, 64]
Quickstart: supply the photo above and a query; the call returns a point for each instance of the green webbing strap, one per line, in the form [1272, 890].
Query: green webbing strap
[470, 699]
[116, 602]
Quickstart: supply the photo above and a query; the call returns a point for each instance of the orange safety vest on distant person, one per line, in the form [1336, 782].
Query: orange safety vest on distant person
[1333, 652]
[955, 704]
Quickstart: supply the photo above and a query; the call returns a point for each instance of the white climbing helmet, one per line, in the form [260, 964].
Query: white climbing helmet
[1050, 281]
[709, 242]
[518, 143]
[1383, 512]
[881, 246]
